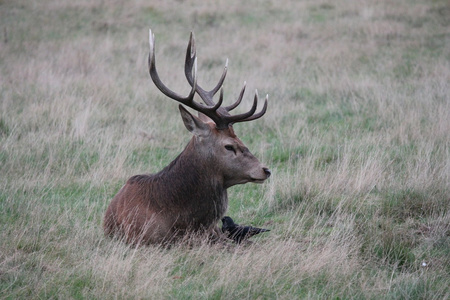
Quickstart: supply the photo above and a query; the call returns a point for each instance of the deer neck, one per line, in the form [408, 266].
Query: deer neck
[195, 187]
[192, 170]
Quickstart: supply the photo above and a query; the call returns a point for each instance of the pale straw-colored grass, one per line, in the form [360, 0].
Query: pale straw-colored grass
[356, 134]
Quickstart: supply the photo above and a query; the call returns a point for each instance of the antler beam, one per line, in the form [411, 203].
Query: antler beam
[220, 115]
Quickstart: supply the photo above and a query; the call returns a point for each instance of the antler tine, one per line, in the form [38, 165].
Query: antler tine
[194, 86]
[238, 101]
[258, 115]
[191, 58]
[220, 99]
[207, 96]
[248, 116]
[221, 80]
[191, 45]
[233, 119]
[191, 55]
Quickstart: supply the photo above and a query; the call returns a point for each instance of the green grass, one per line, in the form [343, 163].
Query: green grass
[356, 135]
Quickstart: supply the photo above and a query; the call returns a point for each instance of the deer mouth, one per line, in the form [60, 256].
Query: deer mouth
[257, 180]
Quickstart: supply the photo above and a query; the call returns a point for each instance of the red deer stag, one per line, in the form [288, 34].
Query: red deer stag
[190, 194]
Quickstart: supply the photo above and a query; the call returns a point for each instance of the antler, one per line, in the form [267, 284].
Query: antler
[220, 115]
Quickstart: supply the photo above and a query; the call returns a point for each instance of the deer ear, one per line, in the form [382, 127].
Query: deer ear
[194, 124]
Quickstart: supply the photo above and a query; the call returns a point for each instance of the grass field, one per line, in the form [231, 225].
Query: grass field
[357, 136]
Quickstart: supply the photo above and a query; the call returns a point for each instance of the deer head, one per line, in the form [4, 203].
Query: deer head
[214, 139]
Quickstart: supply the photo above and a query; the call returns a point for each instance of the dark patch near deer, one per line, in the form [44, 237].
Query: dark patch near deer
[239, 233]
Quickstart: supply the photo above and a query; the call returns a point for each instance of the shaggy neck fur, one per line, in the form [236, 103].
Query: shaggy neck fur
[188, 188]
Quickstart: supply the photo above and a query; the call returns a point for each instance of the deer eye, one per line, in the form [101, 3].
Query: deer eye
[230, 148]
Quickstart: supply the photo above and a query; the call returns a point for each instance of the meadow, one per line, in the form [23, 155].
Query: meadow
[357, 135]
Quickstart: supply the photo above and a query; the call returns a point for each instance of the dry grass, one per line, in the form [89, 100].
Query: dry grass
[357, 136]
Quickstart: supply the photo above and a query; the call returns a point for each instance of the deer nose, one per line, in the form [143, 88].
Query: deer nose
[267, 172]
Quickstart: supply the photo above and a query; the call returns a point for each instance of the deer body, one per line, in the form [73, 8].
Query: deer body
[190, 194]
[159, 207]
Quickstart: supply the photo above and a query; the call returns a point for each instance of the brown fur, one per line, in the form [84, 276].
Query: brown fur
[190, 194]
